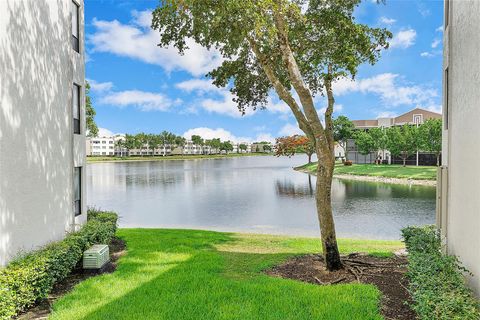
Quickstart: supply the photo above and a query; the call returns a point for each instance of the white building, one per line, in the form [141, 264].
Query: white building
[100, 146]
[42, 123]
[191, 149]
[458, 207]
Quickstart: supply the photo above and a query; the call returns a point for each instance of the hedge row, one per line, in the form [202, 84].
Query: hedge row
[31, 277]
[437, 282]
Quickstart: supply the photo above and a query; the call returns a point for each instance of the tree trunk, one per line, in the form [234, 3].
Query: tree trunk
[404, 162]
[325, 216]
[438, 159]
[309, 158]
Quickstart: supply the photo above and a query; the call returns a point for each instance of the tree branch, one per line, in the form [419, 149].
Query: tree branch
[301, 88]
[282, 92]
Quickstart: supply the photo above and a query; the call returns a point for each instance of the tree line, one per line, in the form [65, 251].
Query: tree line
[401, 141]
[142, 141]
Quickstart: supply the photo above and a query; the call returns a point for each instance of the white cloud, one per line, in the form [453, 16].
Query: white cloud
[439, 29]
[220, 100]
[102, 132]
[290, 130]
[404, 39]
[197, 85]
[145, 101]
[387, 86]
[225, 135]
[436, 42]
[431, 54]
[388, 21]
[265, 137]
[100, 86]
[137, 40]
[386, 114]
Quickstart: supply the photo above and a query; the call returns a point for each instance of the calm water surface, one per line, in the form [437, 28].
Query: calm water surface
[251, 194]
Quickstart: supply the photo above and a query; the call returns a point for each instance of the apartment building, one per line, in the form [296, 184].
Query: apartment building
[42, 123]
[458, 205]
[416, 116]
[100, 146]
[237, 149]
[261, 147]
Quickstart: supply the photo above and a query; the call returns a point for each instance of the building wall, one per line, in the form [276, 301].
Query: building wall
[100, 146]
[38, 150]
[459, 218]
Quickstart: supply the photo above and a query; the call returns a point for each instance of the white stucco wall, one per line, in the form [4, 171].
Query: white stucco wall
[462, 41]
[38, 150]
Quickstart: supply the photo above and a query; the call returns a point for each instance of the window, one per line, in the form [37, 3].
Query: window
[76, 108]
[445, 101]
[75, 26]
[77, 191]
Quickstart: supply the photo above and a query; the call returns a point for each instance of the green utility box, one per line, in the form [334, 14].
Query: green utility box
[96, 257]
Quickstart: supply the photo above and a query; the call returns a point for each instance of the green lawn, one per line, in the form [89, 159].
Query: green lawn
[187, 274]
[387, 171]
[175, 157]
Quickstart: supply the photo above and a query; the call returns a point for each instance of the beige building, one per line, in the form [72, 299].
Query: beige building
[42, 123]
[416, 116]
[458, 206]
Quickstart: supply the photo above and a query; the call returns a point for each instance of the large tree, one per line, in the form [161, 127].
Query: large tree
[431, 137]
[290, 46]
[90, 113]
[343, 130]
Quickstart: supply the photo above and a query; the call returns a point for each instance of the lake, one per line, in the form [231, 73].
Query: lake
[260, 194]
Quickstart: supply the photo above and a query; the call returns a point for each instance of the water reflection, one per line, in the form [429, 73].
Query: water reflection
[252, 194]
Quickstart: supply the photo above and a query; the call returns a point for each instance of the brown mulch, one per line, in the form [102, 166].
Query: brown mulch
[43, 309]
[388, 274]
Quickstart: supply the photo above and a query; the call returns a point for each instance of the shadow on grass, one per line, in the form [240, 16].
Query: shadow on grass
[179, 274]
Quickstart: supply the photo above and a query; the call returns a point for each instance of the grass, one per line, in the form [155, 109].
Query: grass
[190, 274]
[174, 157]
[386, 171]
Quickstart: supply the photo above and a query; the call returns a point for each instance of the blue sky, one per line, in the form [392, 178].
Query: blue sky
[137, 86]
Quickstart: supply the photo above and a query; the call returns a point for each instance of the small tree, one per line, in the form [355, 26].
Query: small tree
[120, 145]
[90, 113]
[130, 143]
[380, 140]
[403, 141]
[197, 140]
[431, 137]
[242, 147]
[153, 142]
[343, 130]
[365, 143]
[141, 142]
[226, 146]
[289, 146]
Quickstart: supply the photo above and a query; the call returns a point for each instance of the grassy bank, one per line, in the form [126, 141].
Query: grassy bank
[176, 157]
[385, 171]
[187, 274]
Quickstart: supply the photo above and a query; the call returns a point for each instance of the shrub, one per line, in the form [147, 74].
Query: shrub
[347, 163]
[30, 278]
[437, 283]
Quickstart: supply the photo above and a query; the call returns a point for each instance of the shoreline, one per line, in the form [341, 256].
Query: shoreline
[172, 158]
[403, 181]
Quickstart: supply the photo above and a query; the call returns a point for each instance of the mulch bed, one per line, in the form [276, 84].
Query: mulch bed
[43, 309]
[388, 274]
